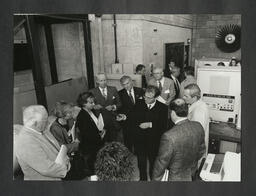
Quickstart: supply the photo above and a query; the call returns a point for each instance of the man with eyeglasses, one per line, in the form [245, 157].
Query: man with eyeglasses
[165, 85]
[150, 121]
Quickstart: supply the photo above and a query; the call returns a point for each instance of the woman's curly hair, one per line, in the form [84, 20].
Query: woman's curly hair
[114, 162]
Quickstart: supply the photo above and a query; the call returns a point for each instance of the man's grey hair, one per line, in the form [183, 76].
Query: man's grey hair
[194, 90]
[157, 68]
[99, 74]
[124, 78]
[33, 114]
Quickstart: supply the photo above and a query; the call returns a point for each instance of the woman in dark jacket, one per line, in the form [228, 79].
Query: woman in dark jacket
[91, 132]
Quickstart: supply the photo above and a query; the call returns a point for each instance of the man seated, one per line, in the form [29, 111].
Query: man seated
[181, 147]
[115, 162]
[36, 152]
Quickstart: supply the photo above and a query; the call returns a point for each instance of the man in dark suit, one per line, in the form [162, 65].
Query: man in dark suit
[150, 120]
[107, 102]
[129, 96]
[181, 147]
[173, 72]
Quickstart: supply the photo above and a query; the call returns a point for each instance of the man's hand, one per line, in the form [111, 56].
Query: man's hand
[102, 133]
[97, 107]
[146, 125]
[109, 107]
[121, 117]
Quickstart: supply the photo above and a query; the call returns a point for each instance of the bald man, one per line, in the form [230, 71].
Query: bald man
[107, 101]
[165, 85]
[36, 153]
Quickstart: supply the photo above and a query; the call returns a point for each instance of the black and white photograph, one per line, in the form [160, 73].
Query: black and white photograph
[127, 97]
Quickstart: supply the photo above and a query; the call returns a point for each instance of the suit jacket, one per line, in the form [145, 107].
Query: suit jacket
[180, 149]
[112, 97]
[61, 135]
[90, 140]
[177, 88]
[168, 89]
[127, 105]
[147, 140]
[36, 156]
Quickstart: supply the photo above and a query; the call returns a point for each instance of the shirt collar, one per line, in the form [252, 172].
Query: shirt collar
[181, 119]
[132, 90]
[152, 104]
[33, 130]
[162, 81]
[194, 105]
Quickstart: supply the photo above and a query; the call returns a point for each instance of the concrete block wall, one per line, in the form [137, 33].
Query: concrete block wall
[205, 28]
[136, 40]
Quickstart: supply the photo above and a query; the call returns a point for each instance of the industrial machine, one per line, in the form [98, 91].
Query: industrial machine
[221, 91]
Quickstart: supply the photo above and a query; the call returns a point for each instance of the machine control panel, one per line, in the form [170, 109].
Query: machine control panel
[219, 102]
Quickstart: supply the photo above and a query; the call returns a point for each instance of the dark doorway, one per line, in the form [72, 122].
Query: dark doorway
[175, 52]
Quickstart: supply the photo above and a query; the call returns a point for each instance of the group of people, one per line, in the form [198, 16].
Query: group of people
[119, 135]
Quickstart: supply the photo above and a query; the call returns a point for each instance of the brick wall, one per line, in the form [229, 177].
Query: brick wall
[205, 28]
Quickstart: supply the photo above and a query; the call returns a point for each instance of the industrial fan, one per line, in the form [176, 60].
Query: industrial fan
[228, 38]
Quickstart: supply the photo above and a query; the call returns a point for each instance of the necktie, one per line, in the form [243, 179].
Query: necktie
[131, 97]
[149, 106]
[104, 93]
[160, 86]
[177, 88]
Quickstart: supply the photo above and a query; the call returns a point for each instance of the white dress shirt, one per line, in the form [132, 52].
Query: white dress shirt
[199, 112]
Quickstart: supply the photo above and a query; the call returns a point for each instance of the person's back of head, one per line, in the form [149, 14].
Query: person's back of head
[180, 108]
[35, 116]
[114, 162]
[189, 71]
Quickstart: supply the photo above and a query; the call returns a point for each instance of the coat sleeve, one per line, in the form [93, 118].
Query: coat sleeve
[34, 156]
[57, 133]
[117, 98]
[171, 92]
[163, 158]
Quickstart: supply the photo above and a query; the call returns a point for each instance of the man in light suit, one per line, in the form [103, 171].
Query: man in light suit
[107, 102]
[181, 147]
[129, 96]
[165, 85]
[35, 151]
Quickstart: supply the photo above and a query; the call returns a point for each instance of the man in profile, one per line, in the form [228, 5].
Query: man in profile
[35, 151]
[141, 70]
[181, 147]
[198, 110]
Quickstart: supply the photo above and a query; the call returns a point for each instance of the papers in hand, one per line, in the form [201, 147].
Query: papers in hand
[161, 99]
[72, 132]
[165, 176]
[100, 123]
[62, 155]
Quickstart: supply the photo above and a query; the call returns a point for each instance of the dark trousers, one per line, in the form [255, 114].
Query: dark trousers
[142, 164]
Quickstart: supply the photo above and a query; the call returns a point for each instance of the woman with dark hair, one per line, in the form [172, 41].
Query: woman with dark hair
[91, 130]
[233, 62]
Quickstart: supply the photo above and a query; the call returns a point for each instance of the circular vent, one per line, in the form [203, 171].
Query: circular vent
[228, 38]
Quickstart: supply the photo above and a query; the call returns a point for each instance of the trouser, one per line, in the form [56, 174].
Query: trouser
[142, 164]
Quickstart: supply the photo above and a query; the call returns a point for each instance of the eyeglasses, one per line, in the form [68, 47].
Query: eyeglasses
[145, 97]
